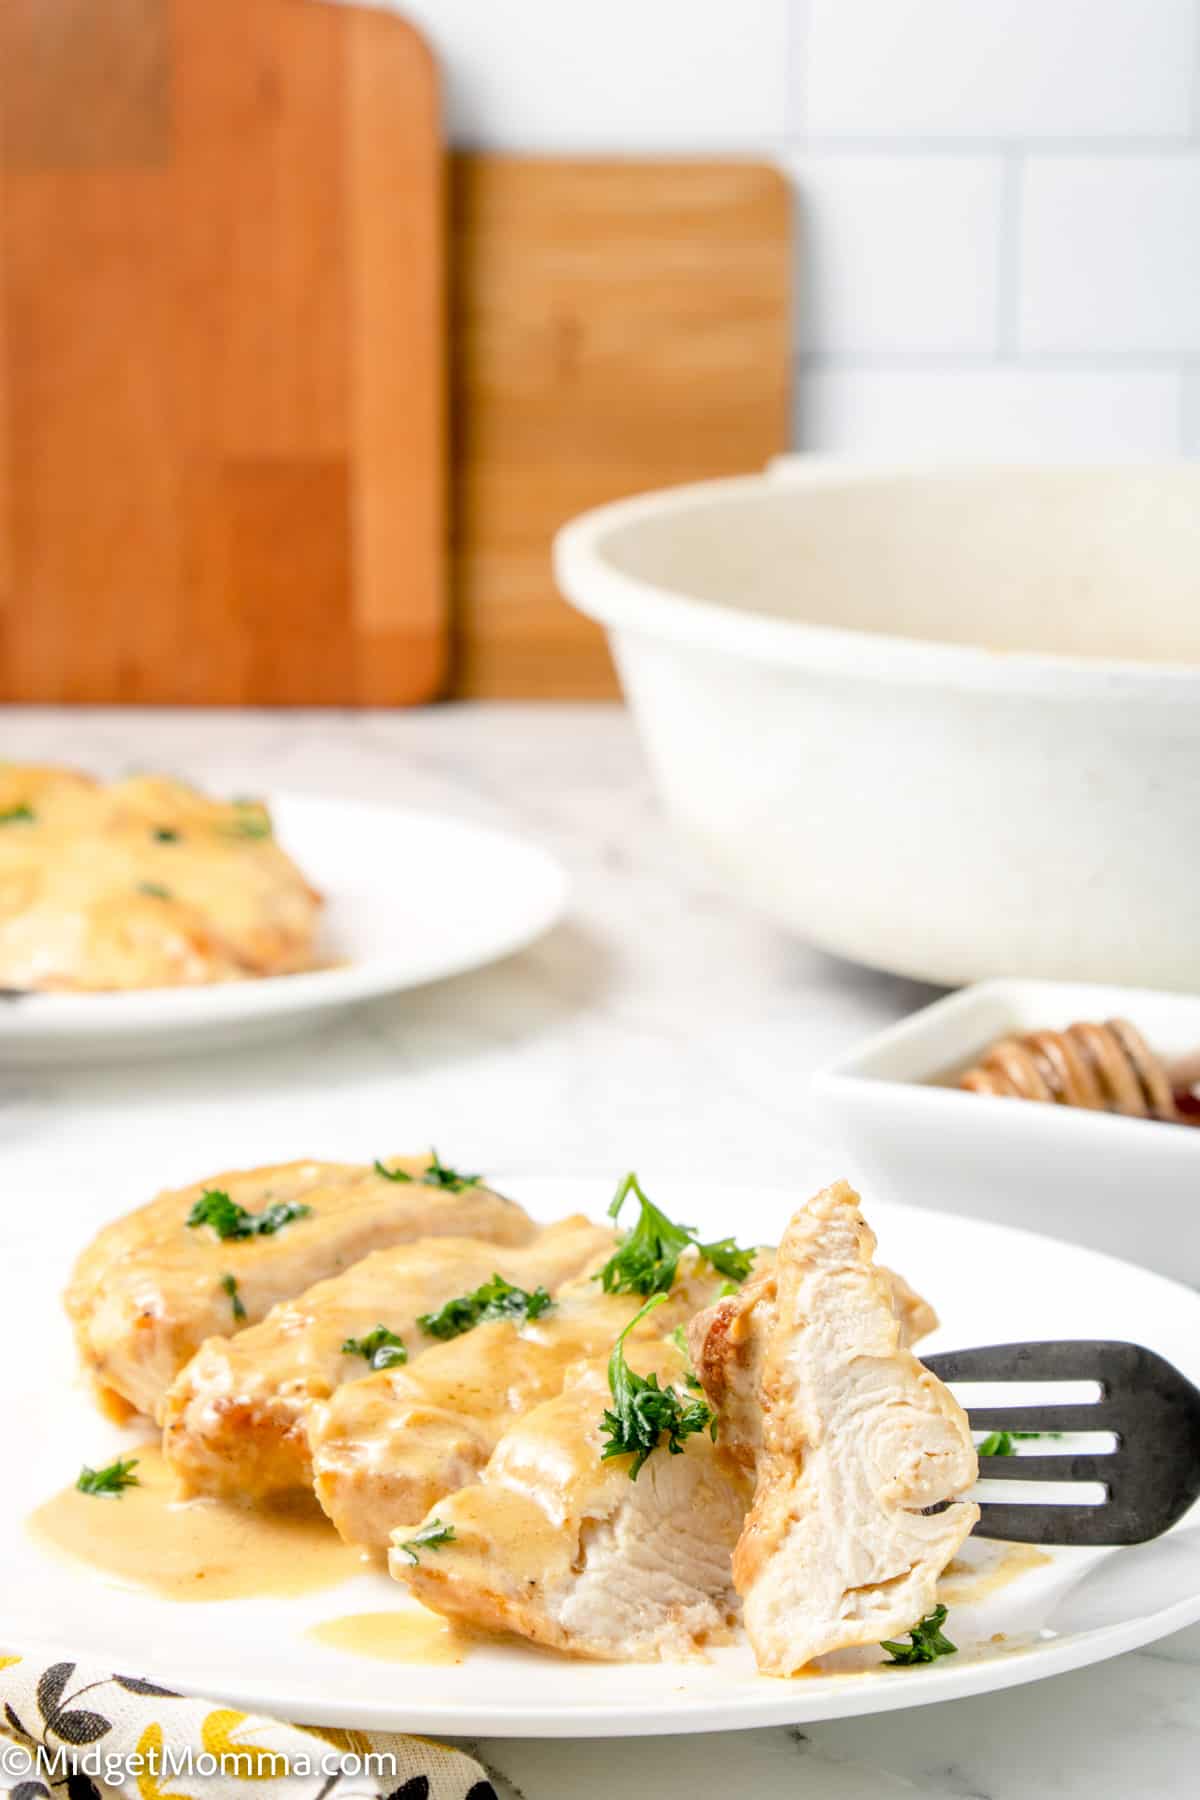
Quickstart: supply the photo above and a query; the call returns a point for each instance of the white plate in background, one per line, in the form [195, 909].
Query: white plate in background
[990, 1284]
[1128, 1186]
[410, 897]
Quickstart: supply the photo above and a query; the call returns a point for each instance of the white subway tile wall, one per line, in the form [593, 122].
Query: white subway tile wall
[998, 68]
[999, 413]
[924, 229]
[999, 200]
[1110, 255]
[622, 74]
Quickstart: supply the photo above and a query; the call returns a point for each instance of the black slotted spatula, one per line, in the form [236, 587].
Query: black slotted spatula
[1151, 1476]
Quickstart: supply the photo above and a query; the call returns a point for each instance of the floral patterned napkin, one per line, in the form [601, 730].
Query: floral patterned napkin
[76, 1730]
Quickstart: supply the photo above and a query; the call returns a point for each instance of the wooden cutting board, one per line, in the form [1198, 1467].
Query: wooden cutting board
[221, 354]
[617, 325]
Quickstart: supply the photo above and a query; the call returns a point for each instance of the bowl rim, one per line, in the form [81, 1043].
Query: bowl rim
[628, 604]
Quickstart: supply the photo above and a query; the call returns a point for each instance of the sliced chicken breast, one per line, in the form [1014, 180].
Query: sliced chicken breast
[563, 1548]
[860, 1455]
[729, 1340]
[150, 1289]
[235, 1421]
[388, 1448]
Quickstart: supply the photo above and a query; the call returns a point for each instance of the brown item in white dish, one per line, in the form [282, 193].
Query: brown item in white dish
[1101, 1068]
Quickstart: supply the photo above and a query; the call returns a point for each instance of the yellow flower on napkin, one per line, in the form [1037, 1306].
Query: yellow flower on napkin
[150, 1745]
[216, 1734]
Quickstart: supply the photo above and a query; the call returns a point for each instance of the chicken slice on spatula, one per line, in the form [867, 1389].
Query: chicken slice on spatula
[235, 1420]
[556, 1543]
[860, 1456]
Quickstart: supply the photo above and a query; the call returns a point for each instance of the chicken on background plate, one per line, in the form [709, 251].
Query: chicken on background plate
[143, 883]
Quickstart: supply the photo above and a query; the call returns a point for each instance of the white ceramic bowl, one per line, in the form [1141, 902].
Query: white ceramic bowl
[944, 722]
[1128, 1186]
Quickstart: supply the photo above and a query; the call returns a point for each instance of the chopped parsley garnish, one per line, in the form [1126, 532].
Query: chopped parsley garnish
[928, 1642]
[109, 1483]
[21, 814]
[229, 1220]
[252, 821]
[381, 1348]
[495, 1299]
[725, 1257]
[647, 1257]
[437, 1175]
[155, 889]
[679, 1339]
[430, 1537]
[165, 834]
[230, 1287]
[1000, 1443]
[642, 1411]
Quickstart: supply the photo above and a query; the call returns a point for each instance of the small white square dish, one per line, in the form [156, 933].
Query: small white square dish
[1128, 1186]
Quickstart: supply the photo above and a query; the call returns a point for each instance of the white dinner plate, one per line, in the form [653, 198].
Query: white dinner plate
[991, 1284]
[410, 897]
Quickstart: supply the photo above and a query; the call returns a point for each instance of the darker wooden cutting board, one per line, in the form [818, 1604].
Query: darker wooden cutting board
[221, 354]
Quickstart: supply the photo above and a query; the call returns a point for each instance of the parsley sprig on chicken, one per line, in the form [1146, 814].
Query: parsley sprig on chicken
[494, 1299]
[430, 1537]
[436, 1175]
[643, 1412]
[647, 1257]
[381, 1348]
[231, 1220]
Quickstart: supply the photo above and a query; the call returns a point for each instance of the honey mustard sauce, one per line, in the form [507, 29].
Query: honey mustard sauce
[199, 1549]
[405, 1636]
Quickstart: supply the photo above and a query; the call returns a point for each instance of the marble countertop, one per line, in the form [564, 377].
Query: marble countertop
[659, 1026]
